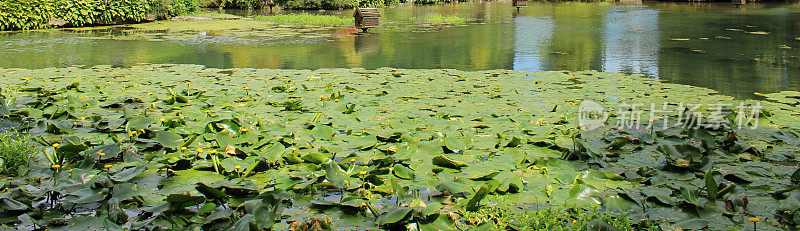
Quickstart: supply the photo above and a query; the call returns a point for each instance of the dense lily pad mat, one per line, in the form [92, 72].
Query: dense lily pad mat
[232, 30]
[175, 146]
[228, 28]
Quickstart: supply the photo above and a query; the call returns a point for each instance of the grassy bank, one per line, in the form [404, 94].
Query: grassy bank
[231, 149]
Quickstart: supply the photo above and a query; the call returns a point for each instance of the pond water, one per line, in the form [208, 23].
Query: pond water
[735, 50]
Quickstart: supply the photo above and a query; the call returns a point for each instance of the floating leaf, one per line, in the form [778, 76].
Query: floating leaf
[403, 172]
[393, 216]
[169, 139]
[336, 175]
[129, 173]
[446, 162]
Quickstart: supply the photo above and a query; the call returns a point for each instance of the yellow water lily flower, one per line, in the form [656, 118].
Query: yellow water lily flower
[237, 167]
[183, 148]
[754, 219]
[200, 150]
[55, 166]
[108, 166]
[101, 154]
[55, 145]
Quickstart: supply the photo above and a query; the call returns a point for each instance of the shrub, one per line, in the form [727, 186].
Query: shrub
[36, 14]
[15, 152]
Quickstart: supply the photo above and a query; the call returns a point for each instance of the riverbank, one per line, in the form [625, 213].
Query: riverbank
[190, 146]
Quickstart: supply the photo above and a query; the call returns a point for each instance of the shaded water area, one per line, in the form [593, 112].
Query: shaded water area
[735, 50]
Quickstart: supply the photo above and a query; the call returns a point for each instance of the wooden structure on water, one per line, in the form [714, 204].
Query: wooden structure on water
[519, 3]
[366, 18]
[739, 2]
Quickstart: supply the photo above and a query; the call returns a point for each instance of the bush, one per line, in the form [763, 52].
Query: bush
[37, 14]
[15, 152]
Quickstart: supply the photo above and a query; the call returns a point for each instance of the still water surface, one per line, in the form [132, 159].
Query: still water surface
[737, 51]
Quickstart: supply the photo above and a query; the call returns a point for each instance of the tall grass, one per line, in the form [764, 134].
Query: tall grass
[15, 152]
[306, 19]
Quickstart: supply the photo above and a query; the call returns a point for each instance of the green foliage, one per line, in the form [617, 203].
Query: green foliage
[567, 217]
[169, 8]
[37, 14]
[15, 151]
[306, 19]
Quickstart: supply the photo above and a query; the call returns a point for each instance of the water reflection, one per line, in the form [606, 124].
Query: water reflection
[531, 38]
[631, 40]
[736, 51]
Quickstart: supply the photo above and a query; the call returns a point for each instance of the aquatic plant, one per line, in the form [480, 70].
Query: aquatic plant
[553, 217]
[15, 152]
[185, 146]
